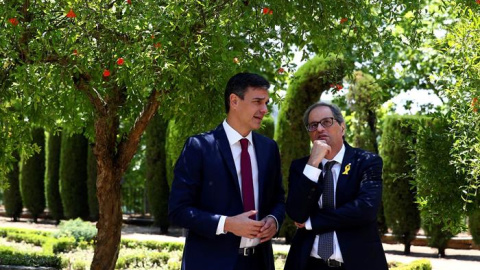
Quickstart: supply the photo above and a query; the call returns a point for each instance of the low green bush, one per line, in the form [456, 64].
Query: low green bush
[422, 264]
[8, 256]
[79, 229]
[29, 238]
[155, 245]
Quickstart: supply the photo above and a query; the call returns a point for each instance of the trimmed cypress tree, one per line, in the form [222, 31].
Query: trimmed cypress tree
[12, 199]
[401, 211]
[73, 176]
[156, 184]
[268, 127]
[92, 184]
[437, 189]
[52, 177]
[173, 147]
[310, 81]
[32, 177]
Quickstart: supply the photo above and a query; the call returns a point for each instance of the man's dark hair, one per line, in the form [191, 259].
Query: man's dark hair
[239, 83]
[337, 113]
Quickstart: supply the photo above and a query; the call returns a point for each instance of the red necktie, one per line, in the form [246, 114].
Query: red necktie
[247, 179]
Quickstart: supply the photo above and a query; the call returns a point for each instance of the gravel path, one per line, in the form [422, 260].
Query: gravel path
[461, 259]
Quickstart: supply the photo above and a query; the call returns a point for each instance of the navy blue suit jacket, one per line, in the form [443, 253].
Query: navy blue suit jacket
[206, 186]
[358, 196]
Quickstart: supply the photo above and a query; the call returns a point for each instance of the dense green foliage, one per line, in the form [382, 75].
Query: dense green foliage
[12, 199]
[309, 83]
[73, 176]
[32, 177]
[268, 127]
[80, 230]
[401, 211]
[156, 184]
[52, 176]
[365, 97]
[437, 184]
[92, 184]
[462, 43]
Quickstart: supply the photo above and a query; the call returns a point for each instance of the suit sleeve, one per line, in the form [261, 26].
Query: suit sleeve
[360, 211]
[185, 192]
[303, 194]
[278, 210]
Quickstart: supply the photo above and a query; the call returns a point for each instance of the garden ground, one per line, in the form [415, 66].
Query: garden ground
[464, 259]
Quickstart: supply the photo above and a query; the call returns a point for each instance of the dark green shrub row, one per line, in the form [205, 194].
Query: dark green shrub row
[141, 260]
[8, 256]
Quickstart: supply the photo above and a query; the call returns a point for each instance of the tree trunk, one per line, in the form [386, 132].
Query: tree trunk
[109, 224]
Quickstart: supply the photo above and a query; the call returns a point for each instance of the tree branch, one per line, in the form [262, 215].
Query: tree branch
[128, 146]
[81, 84]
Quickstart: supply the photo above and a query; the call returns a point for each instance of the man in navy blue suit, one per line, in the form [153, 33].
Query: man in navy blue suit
[227, 190]
[333, 197]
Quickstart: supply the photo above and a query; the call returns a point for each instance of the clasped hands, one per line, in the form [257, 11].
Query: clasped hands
[242, 225]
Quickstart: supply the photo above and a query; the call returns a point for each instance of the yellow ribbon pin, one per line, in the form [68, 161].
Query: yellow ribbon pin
[347, 169]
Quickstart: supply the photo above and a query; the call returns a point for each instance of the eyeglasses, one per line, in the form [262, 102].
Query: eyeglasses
[325, 122]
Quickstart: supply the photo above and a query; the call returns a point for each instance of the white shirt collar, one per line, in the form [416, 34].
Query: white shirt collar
[232, 135]
[338, 158]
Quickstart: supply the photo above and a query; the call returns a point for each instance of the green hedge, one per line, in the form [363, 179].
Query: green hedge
[401, 211]
[92, 184]
[73, 176]
[268, 127]
[32, 177]
[422, 264]
[52, 177]
[310, 81]
[438, 194]
[8, 256]
[156, 184]
[12, 199]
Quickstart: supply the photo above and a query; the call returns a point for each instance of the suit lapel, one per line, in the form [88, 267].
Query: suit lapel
[348, 164]
[226, 152]
[260, 153]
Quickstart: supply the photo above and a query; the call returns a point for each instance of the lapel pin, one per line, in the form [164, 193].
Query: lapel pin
[347, 169]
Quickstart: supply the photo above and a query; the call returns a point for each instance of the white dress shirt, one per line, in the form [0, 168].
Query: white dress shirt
[313, 173]
[234, 140]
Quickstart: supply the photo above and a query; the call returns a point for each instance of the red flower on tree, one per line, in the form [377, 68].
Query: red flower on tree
[129, 2]
[106, 73]
[75, 52]
[266, 10]
[339, 87]
[478, 1]
[71, 14]
[343, 20]
[120, 61]
[281, 70]
[13, 21]
[157, 45]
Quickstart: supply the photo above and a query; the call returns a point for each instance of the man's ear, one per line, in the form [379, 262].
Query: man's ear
[233, 100]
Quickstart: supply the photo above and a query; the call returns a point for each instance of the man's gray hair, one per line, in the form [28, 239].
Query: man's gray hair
[337, 113]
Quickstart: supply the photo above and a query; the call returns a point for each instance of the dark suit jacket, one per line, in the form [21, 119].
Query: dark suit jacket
[206, 186]
[358, 196]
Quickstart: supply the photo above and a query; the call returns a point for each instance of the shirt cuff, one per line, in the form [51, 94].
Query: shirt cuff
[276, 221]
[312, 173]
[221, 225]
[308, 224]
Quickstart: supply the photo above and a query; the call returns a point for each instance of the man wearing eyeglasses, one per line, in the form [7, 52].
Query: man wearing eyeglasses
[227, 189]
[333, 197]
